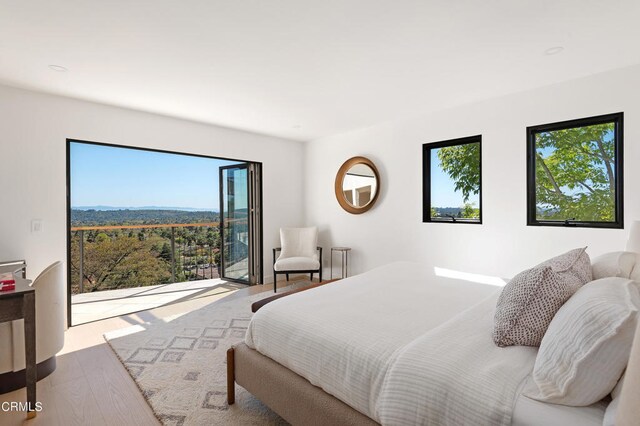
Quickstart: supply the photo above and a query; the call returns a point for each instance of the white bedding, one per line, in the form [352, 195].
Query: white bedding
[529, 412]
[455, 375]
[343, 337]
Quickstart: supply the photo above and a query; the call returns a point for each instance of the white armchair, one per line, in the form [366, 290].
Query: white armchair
[50, 325]
[299, 253]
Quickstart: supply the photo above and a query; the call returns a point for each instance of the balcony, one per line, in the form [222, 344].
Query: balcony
[120, 269]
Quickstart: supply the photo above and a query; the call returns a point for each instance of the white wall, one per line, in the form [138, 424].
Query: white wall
[33, 131]
[503, 245]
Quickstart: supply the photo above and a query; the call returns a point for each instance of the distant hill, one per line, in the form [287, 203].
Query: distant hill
[443, 211]
[95, 217]
[110, 208]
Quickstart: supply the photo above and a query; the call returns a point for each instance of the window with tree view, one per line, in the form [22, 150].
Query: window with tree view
[575, 173]
[452, 181]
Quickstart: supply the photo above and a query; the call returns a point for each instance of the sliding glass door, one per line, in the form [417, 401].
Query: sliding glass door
[240, 222]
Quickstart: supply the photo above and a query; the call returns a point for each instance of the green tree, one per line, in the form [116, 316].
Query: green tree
[101, 237]
[469, 211]
[575, 173]
[117, 263]
[462, 164]
[165, 253]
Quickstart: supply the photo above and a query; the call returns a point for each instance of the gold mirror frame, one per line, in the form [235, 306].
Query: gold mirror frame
[340, 178]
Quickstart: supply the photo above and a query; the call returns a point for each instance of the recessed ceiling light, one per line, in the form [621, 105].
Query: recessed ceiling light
[58, 68]
[553, 50]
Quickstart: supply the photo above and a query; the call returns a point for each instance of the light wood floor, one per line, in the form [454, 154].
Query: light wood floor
[90, 386]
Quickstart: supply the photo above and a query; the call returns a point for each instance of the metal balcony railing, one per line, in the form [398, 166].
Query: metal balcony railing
[80, 233]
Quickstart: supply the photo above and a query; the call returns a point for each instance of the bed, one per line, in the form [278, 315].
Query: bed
[353, 360]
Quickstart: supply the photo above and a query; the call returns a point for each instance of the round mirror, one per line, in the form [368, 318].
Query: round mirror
[357, 185]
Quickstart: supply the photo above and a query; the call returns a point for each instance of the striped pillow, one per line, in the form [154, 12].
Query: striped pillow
[587, 345]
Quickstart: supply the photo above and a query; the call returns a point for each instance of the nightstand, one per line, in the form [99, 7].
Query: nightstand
[344, 255]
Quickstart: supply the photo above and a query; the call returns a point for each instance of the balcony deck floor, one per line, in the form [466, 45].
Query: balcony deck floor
[88, 307]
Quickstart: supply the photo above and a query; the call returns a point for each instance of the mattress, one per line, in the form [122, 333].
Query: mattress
[343, 337]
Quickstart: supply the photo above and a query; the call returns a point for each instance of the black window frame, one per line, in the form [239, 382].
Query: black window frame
[617, 119]
[427, 148]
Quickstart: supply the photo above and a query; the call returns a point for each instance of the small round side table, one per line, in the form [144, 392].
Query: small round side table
[344, 254]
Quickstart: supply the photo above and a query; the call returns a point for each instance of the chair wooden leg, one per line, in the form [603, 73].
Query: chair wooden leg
[311, 276]
[287, 277]
[320, 274]
[231, 376]
[275, 280]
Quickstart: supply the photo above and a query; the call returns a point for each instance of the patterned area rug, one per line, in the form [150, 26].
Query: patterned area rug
[179, 364]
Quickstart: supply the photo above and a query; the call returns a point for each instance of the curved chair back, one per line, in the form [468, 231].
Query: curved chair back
[50, 318]
[299, 242]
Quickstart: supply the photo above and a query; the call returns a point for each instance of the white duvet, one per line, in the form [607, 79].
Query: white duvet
[398, 344]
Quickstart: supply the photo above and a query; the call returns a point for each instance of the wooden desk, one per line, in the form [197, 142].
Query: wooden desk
[21, 304]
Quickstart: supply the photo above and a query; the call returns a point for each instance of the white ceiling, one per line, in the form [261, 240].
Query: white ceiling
[305, 69]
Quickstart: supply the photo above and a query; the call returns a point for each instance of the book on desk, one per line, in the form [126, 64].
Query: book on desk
[7, 282]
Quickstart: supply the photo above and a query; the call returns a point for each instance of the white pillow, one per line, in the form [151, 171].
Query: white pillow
[587, 345]
[612, 408]
[614, 264]
[299, 242]
[610, 413]
[635, 272]
[615, 393]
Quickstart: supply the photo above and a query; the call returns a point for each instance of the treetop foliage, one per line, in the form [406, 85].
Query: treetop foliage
[139, 217]
[462, 164]
[575, 173]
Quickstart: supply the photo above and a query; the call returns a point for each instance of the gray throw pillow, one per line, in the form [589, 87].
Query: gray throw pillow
[531, 299]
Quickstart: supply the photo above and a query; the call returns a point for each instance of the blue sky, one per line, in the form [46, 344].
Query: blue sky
[443, 193]
[122, 177]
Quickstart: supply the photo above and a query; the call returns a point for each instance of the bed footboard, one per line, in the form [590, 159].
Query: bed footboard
[288, 394]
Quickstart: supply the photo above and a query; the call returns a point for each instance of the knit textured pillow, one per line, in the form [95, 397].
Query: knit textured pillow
[530, 300]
